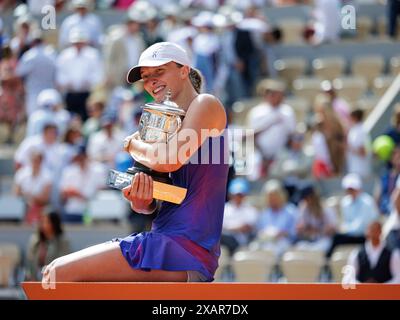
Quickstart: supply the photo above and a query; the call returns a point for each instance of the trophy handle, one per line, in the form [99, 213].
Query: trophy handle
[178, 126]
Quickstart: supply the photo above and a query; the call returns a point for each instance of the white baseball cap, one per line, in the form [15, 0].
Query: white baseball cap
[156, 55]
[352, 181]
[48, 98]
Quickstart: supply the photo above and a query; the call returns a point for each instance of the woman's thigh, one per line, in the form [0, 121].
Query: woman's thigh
[103, 262]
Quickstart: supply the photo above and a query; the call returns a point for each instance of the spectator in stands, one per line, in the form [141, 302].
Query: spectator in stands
[206, 48]
[334, 133]
[388, 183]
[358, 146]
[339, 105]
[79, 183]
[375, 262]
[84, 20]
[393, 13]
[292, 162]
[50, 108]
[394, 130]
[240, 217]
[123, 49]
[45, 245]
[358, 210]
[316, 224]
[273, 121]
[95, 108]
[276, 225]
[326, 21]
[37, 68]
[391, 230]
[322, 164]
[33, 183]
[152, 33]
[105, 144]
[48, 142]
[11, 93]
[23, 27]
[79, 71]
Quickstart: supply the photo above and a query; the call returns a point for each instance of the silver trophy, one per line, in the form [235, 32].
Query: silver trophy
[159, 122]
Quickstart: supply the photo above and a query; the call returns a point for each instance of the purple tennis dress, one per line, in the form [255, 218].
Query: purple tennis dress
[186, 237]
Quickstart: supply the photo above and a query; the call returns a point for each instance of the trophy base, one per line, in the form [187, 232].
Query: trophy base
[163, 189]
[157, 176]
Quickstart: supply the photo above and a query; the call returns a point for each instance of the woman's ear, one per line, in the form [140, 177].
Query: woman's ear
[185, 72]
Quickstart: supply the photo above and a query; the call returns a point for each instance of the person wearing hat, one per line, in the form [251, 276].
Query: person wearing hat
[358, 209]
[183, 244]
[79, 70]
[84, 19]
[37, 68]
[273, 121]
[50, 108]
[240, 217]
[122, 49]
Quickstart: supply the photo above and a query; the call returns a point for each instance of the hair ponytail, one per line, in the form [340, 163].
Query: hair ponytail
[196, 79]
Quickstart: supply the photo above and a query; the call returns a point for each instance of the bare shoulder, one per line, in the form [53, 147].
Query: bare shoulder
[208, 109]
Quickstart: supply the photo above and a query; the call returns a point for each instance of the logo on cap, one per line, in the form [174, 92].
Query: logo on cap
[154, 54]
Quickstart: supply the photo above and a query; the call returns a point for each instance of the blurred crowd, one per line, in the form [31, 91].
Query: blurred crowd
[67, 107]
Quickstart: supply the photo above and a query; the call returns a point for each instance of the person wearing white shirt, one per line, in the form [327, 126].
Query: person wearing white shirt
[327, 21]
[239, 216]
[33, 182]
[374, 262]
[83, 19]
[358, 151]
[104, 145]
[272, 120]
[79, 182]
[358, 210]
[79, 71]
[37, 67]
[48, 143]
[391, 229]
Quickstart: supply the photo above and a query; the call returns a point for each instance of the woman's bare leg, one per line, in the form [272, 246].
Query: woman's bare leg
[103, 263]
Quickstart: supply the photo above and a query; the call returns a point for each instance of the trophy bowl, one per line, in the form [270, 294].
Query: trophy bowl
[159, 122]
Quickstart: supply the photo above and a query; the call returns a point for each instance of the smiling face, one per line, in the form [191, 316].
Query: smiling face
[157, 80]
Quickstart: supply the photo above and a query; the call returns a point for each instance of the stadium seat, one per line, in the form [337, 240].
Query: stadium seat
[381, 27]
[11, 207]
[328, 68]
[302, 265]
[381, 84]
[10, 258]
[292, 30]
[394, 65]
[301, 107]
[253, 266]
[224, 262]
[339, 260]
[290, 69]
[364, 27]
[5, 132]
[307, 88]
[350, 88]
[241, 108]
[368, 67]
[107, 205]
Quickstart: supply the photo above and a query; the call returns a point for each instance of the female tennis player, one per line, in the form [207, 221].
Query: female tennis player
[183, 244]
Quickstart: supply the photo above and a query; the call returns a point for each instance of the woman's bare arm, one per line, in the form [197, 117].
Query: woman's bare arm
[205, 117]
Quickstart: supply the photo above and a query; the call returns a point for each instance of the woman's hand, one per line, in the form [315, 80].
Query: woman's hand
[140, 194]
